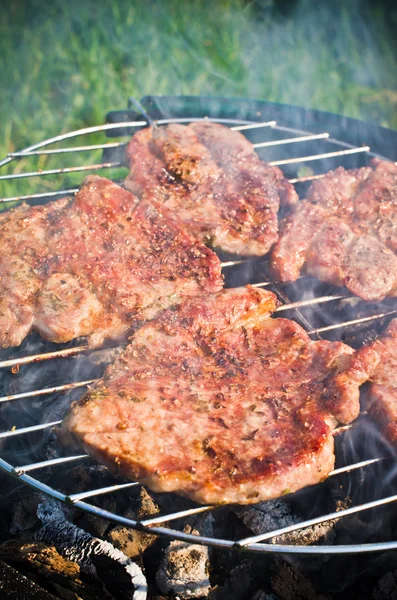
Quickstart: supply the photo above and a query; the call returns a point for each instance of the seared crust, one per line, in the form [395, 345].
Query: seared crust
[236, 156]
[345, 233]
[296, 233]
[382, 393]
[221, 403]
[213, 182]
[95, 266]
[24, 250]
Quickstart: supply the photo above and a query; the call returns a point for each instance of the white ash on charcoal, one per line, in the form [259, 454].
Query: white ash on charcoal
[131, 542]
[266, 516]
[92, 477]
[282, 512]
[279, 513]
[93, 555]
[80, 479]
[22, 503]
[183, 571]
[48, 573]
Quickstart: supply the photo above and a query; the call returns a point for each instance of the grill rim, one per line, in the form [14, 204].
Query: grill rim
[246, 544]
[356, 131]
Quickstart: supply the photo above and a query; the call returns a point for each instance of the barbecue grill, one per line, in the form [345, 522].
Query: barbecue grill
[305, 144]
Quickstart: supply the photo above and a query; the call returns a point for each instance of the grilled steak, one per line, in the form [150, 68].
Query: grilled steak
[382, 393]
[345, 233]
[24, 247]
[212, 180]
[95, 266]
[221, 403]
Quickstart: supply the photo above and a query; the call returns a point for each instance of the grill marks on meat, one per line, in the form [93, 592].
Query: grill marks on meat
[221, 403]
[95, 266]
[382, 392]
[212, 180]
[345, 232]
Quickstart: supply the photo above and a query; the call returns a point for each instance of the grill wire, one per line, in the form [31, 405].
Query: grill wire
[155, 525]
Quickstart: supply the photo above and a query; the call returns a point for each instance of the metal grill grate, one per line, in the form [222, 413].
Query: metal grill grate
[304, 149]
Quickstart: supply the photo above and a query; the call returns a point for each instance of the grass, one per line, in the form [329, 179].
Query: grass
[63, 65]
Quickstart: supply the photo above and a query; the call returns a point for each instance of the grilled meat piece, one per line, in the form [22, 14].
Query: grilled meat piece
[237, 157]
[382, 392]
[296, 233]
[345, 232]
[95, 266]
[221, 403]
[212, 180]
[24, 248]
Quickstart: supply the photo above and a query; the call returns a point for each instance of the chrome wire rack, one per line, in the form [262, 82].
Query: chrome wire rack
[280, 145]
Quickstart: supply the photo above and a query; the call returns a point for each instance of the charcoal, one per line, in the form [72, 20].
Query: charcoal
[203, 523]
[386, 588]
[98, 526]
[266, 516]
[54, 573]
[239, 584]
[94, 556]
[241, 579]
[24, 517]
[15, 586]
[80, 479]
[261, 595]
[183, 571]
[147, 506]
[83, 478]
[131, 542]
[290, 584]
[277, 514]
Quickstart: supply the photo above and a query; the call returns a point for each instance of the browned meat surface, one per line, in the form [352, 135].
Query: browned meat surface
[212, 180]
[66, 309]
[95, 266]
[221, 403]
[337, 190]
[382, 393]
[236, 156]
[24, 248]
[345, 233]
[296, 232]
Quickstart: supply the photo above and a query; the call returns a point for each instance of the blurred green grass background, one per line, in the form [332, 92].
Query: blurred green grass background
[64, 64]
